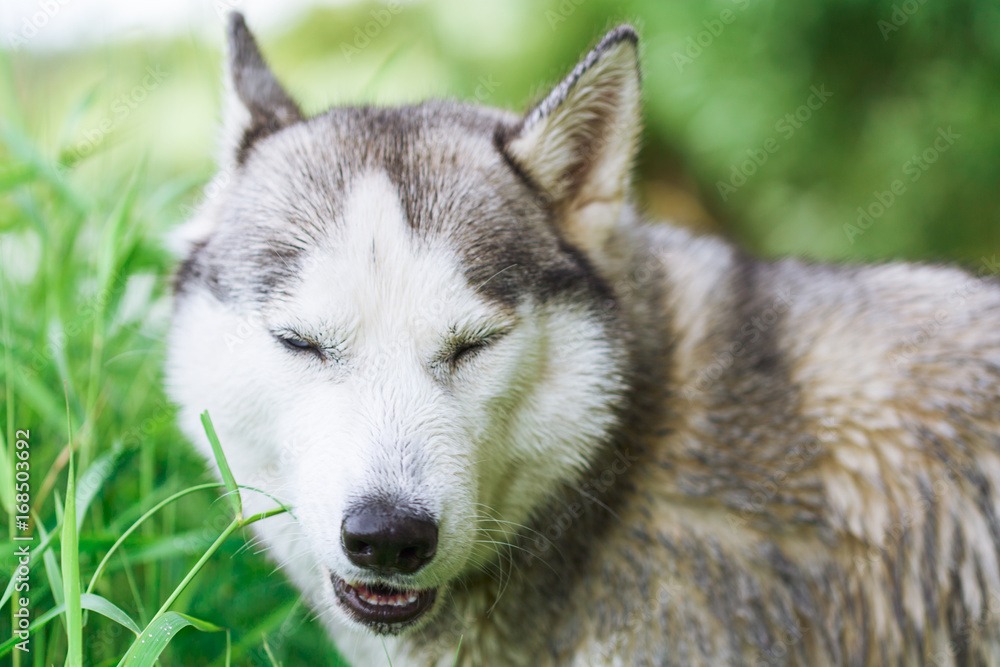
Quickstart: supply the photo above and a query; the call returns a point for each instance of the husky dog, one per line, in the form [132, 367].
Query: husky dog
[517, 425]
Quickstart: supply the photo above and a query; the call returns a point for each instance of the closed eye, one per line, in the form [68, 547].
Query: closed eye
[298, 344]
[467, 349]
[463, 348]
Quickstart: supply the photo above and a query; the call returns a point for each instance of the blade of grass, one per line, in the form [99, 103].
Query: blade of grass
[87, 601]
[105, 607]
[220, 459]
[235, 525]
[96, 475]
[230, 529]
[7, 484]
[133, 588]
[7, 481]
[60, 512]
[153, 510]
[70, 552]
[108, 259]
[148, 646]
[27, 151]
[13, 175]
[269, 653]
[52, 570]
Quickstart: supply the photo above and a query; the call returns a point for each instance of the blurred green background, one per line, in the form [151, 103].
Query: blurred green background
[896, 72]
[770, 122]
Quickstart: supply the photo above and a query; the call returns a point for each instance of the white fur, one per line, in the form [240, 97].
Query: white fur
[488, 440]
[598, 109]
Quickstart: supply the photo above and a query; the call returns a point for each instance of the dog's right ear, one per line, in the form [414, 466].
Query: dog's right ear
[578, 143]
[256, 104]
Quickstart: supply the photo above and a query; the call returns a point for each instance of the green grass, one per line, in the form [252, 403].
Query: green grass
[130, 530]
[127, 538]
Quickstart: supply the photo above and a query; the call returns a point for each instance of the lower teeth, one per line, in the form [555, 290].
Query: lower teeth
[394, 601]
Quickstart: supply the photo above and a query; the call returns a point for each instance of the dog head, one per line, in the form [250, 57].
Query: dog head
[397, 320]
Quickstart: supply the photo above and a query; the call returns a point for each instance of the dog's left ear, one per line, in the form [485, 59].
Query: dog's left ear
[257, 105]
[579, 142]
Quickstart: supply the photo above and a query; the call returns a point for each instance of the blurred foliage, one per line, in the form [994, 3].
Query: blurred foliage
[719, 79]
[134, 128]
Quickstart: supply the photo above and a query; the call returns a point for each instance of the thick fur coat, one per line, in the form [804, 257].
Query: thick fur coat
[638, 447]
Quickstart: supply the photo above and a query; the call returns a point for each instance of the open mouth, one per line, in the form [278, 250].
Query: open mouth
[379, 604]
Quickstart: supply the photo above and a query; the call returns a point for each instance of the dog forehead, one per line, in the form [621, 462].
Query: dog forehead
[437, 155]
[379, 272]
[441, 172]
[452, 186]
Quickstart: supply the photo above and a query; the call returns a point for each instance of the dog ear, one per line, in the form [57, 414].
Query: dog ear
[579, 142]
[256, 104]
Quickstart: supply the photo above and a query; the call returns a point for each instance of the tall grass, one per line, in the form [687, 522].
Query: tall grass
[84, 294]
[129, 547]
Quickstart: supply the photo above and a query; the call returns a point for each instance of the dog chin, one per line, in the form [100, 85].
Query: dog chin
[382, 608]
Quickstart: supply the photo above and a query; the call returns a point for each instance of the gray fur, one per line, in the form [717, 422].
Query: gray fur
[270, 107]
[284, 199]
[806, 463]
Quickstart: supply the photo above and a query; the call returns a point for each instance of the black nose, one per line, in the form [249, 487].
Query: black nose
[386, 539]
